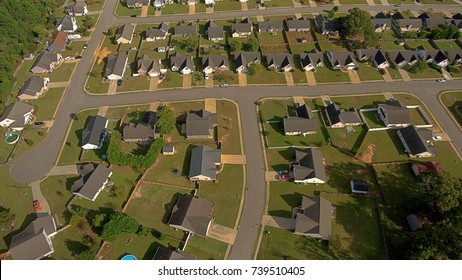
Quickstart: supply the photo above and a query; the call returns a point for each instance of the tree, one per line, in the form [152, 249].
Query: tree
[110, 32]
[190, 43]
[119, 223]
[165, 120]
[89, 22]
[99, 220]
[39, 31]
[142, 231]
[251, 45]
[235, 45]
[255, 68]
[444, 192]
[358, 23]
[418, 67]
[76, 221]
[5, 217]
[117, 191]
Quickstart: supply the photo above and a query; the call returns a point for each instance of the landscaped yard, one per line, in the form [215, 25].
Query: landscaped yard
[451, 100]
[206, 249]
[265, 77]
[95, 82]
[346, 139]
[228, 127]
[57, 192]
[172, 80]
[446, 45]
[63, 72]
[368, 72]
[359, 101]
[417, 44]
[332, 45]
[276, 109]
[46, 105]
[227, 5]
[175, 8]
[326, 75]
[30, 138]
[70, 243]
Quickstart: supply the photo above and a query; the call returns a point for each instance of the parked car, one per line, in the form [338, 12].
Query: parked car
[382, 71]
[224, 85]
[73, 36]
[207, 76]
[285, 177]
[39, 123]
[436, 137]
[441, 80]
[36, 205]
[119, 82]
[283, 172]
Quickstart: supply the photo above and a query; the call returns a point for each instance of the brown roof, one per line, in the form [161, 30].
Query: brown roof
[59, 41]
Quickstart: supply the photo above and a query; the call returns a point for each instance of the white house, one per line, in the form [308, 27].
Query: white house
[16, 116]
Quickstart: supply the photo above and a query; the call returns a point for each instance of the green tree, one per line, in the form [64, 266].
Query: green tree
[119, 223]
[255, 68]
[235, 45]
[190, 44]
[5, 217]
[444, 192]
[359, 23]
[39, 31]
[99, 220]
[418, 67]
[110, 32]
[76, 221]
[89, 22]
[165, 120]
[251, 45]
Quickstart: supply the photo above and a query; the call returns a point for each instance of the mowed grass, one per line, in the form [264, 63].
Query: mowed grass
[427, 73]
[57, 191]
[418, 44]
[348, 140]
[446, 45]
[451, 100]
[172, 80]
[95, 82]
[71, 242]
[206, 249]
[325, 75]
[227, 5]
[62, 73]
[276, 109]
[265, 77]
[367, 72]
[229, 133]
[384, 146]
[359, 101]
[46, 105]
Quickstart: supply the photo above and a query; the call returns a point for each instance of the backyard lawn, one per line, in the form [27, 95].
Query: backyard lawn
[346, 139]
[70, 243]
[332, 45]
[451, 100]
[276, 109]
[95, 82]
[57, 191]
[446, 45]
[418, 44]
[46, 105]
[382, 146]
[373, 120]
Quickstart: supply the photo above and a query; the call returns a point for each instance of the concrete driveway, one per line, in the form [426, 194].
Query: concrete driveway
[153, 83]
[279, 222]
[233, 159]
[222, 233]
[289, 79]
[354, 77]
[187, 80]
[242, 79]
[310, 78]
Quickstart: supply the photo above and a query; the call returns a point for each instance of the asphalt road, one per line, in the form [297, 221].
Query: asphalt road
[35, 164]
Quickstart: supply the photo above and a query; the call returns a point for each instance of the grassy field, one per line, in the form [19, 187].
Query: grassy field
[348, 140]
[175, 8]
[227, 5]
[57, 191]
[266, 38]
[332, 45]
[417, 44]
[206, 249]
[134, 84]
[450, 101]
[266, 77]
[172, 80]
[30, 138]
[368, 73]
[325, 75]
[71, 242]
[446, 45]
[228, 128]
[123, 11]
[63, 72]
[384, 146]
[46, 105]
[373, 119]
[95, 79]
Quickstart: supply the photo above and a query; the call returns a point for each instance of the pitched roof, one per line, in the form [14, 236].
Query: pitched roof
[297, 23]
[32, 242]
[155, 33]
[78, 7]
[379, 22]
[341, 116]
[397, 15]
[45, 60]
[94, 130]
[313, 58]
[377, 56]
[203, 161]
[397, 112]
[67, 23]
[125, 32]
[181, 62]
[138, 131]
[16, 112]
[271, 24]
[436, 55]
[416, 140]
[215, 32]
[215, 61]
[200, 123]
[309, 164]
[133, 2]
[163, 253]
[186, 29]
[241, 27]
[429, 166]
[168, 149]
[280, 60]
[299, 125]
[315, 217]
[32, 86]
[342, 58]
[146, 64]
[398, 57]
[434, 22]
[406, 22]
[454, 55]
[192, 213]
[325, 25]
[304, 111]
[244, 58]
[116, 64]
[89, 184]
[59, 41]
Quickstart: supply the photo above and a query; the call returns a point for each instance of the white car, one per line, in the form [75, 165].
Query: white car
[441, 80]
[73, 36]
[436, 137]
[207, 76]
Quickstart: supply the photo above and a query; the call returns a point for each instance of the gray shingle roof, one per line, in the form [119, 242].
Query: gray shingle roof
[416, 140]
[398, 57]
[407, 22]
[203, 161]
[183, 29]
[94, 131]
[325, 25]
[89, 184]
[311, 58]
[200, 123]
[182, 62]
[66, 23]
[342, 58]
[125, 32]
[380, 22]
[245, 58]
[297, 24]
[215, 61]
[315, 217]
[309, 164]
[336, 115]
[397, 112]
[32, 86]
[192, 213]
[271, 26]
[45, 60]
[241, 27]
[136, 132]
[146, 64]
[454, 55]
[377, 56]
[300, 125]
[16, 112]
[215, 32]
[116, 64]
[163, 253]
[280, 60]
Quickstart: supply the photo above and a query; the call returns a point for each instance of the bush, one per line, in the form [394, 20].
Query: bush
[119, 223]
[28, 142]
[453, 69]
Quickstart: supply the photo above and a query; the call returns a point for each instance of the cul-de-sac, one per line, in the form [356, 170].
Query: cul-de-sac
[231, 130]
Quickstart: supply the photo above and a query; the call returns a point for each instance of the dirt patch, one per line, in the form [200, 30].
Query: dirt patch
[367, 155]
[137, 193]
[168, 139]
[342, 135]
[227, 126]
[103, 54]
[275, 48]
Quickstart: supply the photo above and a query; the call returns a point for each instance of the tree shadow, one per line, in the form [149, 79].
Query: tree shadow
[27, 220]
[136, 116]
[76, 247]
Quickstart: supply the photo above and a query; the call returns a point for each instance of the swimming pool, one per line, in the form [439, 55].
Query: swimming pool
[128, 258]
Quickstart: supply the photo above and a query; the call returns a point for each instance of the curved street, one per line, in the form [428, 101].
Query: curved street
[35, 164]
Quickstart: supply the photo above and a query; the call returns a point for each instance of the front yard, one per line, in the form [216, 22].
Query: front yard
[325, 75]
[46, 105]
[63, 72]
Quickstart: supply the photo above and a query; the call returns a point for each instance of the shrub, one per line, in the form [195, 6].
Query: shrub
[119, 223]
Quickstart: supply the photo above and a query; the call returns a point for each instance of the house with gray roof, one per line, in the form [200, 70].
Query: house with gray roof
[94, 133]
[394, 114]
[457, 23]
[212, 63]
[310, 61]
[280, 62]
[124, 34]
[270, 26]
[156, 34]
[243, 60]
[149, 67]
[407, 24]
[434, 56]
[454, 56]
[164, 254]
[329, 27]
[381, 23]
[183, 64]
[33, 88]
[67, 24]
[301, 124]
[192, 214]
[313, 218]
[341, 118]
[434, 22]
[308, 167]
[34, 242]
[137, 3]
[200, 124]
[144, 131]
[297, 25]
[416, 141]
[213, 32]
[242, 29]
[184, 30]
[46, 62]
[341, 60]
[78, 8]
[92, 182]
[115, 66]
[16, 116]
[204, 163]
[376, 56]
[403, 58]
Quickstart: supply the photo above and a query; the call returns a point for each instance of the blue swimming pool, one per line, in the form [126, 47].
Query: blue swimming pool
[128, 258]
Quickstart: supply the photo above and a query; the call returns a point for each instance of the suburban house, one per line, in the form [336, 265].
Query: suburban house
[309, 61]
[271, 26]
[325, 26]
[359, 186]
[58, 44]
[457, 23]
[28, 56]
[313, 218]
[184, 64]
[308, 167]
[192, 214]
[435, 22]
[33, 88]
[187, 2]
[137, 3]
[454, 56]
[297, 25]
[416, 141]
[427, 167]
[46, 62]
[115, 66]
[394, 113]
[396, 15]
[164, 254]
[376, 56]
[149, 67]
[209, 3]
[214, 33]
[283, 62]
[407, 24]
[204, 163]
[168, 150]
[243, 60]
[184, 30]
[144, 131]
[341, 60]
[34, 242]
[94, 179]
[242, 29]
[434, 56]
[77, 9]
[302, 124]
[156, 34]
[403, 58]
[16, 116]
[341, 118]
[94, 133]
[200, 124]
[212, 63]
[381, 22]
[124, 34]
[67, 24]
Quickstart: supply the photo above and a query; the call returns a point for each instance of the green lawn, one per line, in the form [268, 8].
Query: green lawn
[276, 109]
[265, 77]
[69, 243]
[410, 100]
[206, 249]
[281, 244]
[228, 128]
[395, 181]
[446, 45]
[279, 3]
[74, 48]
[226, 77]
[98, 5]
[373, 120]
[95, 79]
[180, 110]
[385, 146]
[447, 156]
[267, 38]
[415, 44]
[359, 101]
[227, 5]
[353, 2]
[427, 73]
[63, 72]
[33, 136]
[123, 11]
[332, 45]
[57, 191]
[350, 141]
[368, 72]
[390, 46]
[134, 84]
[325, 75]
[394, 73]
[416, 117]
[299, 76]
[172, 80]
[299, 48]
[175, 8]
[5, 149]
[47, 104]
[450, 101]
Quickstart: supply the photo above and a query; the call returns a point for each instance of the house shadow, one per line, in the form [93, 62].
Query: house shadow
[187, 161]
[340, 175]
[169, 206]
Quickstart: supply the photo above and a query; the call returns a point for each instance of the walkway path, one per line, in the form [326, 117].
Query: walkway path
[279, 222]
[404, 74]
[233, 159]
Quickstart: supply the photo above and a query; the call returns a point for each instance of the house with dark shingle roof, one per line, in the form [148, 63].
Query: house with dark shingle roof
[181, 63]
[271, 26]
[407, 24]
[280, 62]
[454, 56]
[313, 218]
[243, 60]
[115, 66]
[34, 242]
[184, 30]
[137, 3]
[434, 56]
[302, 124]
[58, 44]
[204, 162]
[434, 22]
[340, 118]
[242, 29]
[212, 63]
[67, 24]
[309, 61]
[308, 167]
[213, 32]
[192, 214]
[403, 58]
[94, 133]
[297, 25]
[124, 34]
[325, 26]
[381, 22]
[376, 56]
[92, 182]
[33, 88]
[149, 67]
[394, 113]
[79, 8]
[200, 124]
[156, 34]
[416, 141]
[16, 116]
[142, 131]
[46, 62]
[341, 59]
[164, 254]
